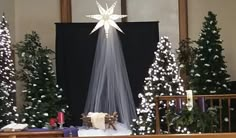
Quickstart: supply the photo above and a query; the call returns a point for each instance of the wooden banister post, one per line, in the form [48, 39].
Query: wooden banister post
[221, 107]
[229, 113]
[158, 127]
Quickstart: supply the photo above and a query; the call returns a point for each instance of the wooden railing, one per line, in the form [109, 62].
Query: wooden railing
[208, 135]
[210, 98]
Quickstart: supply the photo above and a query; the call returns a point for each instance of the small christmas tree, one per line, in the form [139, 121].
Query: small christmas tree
[7, 77]
[209, 74]
[163, 80]
[192, 121]
[43, 97]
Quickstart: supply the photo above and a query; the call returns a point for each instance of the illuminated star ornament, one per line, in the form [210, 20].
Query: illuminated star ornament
[106, 18]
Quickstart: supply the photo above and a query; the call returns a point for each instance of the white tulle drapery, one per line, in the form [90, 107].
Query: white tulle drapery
[109, 88]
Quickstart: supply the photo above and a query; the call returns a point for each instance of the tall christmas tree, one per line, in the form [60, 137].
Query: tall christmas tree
[209, 74]
[7, 77]
[43, 97]
[163, 80]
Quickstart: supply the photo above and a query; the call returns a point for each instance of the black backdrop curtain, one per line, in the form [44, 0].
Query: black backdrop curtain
[75, 50]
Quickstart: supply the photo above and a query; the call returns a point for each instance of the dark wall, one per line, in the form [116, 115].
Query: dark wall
[75, 50]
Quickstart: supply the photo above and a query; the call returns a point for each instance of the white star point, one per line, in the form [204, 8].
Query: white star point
[106, 18]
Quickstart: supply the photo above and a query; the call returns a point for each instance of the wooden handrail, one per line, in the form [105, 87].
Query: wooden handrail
[218, 97]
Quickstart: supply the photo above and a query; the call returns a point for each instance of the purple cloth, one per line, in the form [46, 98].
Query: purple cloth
[201, 103]
[70, 132]
[67, 132]
[178, 104]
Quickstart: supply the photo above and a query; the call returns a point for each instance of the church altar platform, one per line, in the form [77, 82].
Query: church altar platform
[206, 135]
[41, 133]
[27, 134]
[59, 134]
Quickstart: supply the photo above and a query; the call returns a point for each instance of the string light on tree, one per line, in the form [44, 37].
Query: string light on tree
[7, 77]
[163, 80]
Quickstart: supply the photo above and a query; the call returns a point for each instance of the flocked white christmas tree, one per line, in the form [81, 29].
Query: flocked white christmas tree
[43, 97]
[163, 80]
[209, 74]
[8, 112]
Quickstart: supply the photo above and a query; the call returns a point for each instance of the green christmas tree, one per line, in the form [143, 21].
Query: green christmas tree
[192, 121]
[163, 80]
[186, 56]
[209, 75]
[43, 97]
[8, 112]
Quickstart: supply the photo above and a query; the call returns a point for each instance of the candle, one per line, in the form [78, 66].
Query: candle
[60, 117]
[189, 99]
[52, 122]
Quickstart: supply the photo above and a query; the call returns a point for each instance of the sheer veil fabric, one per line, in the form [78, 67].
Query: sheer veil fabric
[109, 88]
